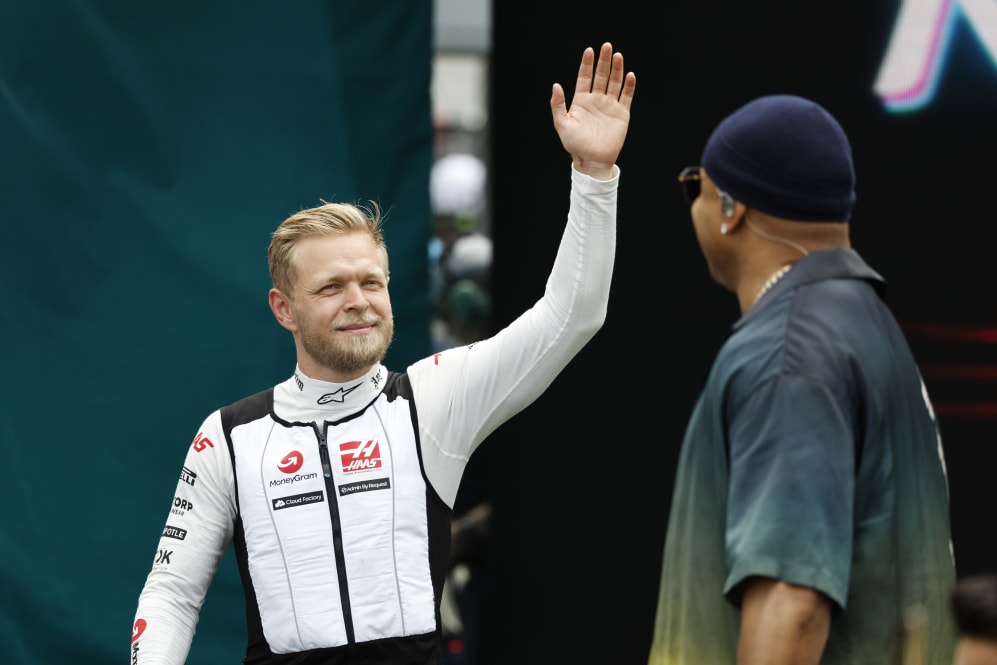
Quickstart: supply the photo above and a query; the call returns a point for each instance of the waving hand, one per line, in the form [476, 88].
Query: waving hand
[594, 128]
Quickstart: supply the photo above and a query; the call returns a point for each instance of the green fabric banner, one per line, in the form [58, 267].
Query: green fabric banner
[147, 150]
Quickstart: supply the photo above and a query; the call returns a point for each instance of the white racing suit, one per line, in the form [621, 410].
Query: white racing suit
[337, 498]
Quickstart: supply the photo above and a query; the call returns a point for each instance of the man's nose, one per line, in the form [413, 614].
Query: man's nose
[354, 297]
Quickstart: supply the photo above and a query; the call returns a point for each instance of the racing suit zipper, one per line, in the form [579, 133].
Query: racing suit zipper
[323, 450]
[337, 531]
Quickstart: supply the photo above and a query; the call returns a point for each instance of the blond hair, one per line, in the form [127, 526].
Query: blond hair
[328, 219]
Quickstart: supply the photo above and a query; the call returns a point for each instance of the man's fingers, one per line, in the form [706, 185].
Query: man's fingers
[557, 101]
[584, 82]
[605, 75]
[616, 76]
[629, 86]
[602, 68]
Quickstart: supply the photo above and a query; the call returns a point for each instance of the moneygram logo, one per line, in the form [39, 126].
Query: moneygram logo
[290, 480]
[360, 455]
[291, 462]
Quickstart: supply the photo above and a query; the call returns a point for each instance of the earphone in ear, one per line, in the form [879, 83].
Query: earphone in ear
[727, 204]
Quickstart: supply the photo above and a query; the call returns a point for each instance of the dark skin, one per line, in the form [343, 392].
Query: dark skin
[742, 259]
[782, 624]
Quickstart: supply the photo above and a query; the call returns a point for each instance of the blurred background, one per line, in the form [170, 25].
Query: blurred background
[147, 151]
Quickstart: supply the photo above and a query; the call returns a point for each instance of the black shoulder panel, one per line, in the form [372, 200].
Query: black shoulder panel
[247, 410]
[398, 385]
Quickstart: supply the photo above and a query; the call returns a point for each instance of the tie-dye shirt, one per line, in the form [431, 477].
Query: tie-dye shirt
[813, 457]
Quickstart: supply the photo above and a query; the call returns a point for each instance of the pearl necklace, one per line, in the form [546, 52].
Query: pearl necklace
[770, 282]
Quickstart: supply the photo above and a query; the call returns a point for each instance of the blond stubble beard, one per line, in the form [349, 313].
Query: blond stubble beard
[346, 354]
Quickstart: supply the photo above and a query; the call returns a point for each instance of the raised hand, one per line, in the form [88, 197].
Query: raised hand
[594, 128]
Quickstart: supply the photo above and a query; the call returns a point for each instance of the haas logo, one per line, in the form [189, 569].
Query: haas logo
[360, 455]
[291, 462]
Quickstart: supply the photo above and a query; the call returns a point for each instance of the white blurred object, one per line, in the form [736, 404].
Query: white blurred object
[470, 258]
[457, 185]
[453, 623]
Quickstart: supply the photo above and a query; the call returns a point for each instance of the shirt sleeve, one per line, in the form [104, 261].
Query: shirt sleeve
[463, 394]
[198, 530]
[792, 481]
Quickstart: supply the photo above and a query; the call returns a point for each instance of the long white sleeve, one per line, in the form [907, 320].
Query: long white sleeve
[465, 393]
[198, 530]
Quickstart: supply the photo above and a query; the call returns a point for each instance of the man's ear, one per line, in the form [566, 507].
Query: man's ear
[727, 204]
[280, 305]
[732, 210]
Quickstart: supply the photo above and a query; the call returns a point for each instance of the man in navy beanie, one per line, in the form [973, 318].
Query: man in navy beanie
[810, 517]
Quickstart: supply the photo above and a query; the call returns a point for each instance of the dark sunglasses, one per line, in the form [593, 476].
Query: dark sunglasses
[689, 179]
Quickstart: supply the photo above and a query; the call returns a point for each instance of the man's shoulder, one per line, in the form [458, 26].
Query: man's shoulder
[397, 384]
[246, 409]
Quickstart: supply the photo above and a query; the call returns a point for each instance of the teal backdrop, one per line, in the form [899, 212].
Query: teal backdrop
[147, 150]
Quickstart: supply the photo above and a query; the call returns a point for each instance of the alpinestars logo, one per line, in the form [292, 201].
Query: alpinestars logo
[360, 455]
[338, 396]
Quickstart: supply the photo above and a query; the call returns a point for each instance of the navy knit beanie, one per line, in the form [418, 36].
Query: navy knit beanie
[785, 156]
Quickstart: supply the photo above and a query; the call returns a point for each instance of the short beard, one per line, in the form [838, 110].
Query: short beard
[351, 354]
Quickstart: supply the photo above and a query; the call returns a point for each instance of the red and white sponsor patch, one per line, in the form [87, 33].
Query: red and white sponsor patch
[201, 443]
[360, 455]
[291, 462]
[138, 629]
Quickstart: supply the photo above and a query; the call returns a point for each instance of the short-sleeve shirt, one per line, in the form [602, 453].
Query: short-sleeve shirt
[813, 457]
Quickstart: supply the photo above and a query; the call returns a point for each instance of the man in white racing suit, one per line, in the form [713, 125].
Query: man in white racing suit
[336, 486]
